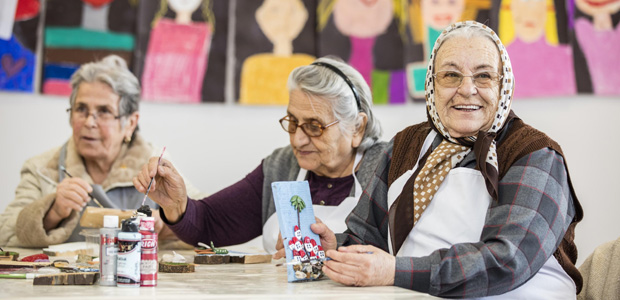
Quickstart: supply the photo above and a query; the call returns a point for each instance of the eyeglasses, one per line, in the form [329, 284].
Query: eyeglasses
[102, 115]
[453, 79]
[312, 129]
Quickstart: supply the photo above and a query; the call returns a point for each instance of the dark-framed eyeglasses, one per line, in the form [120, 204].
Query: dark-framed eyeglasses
[453, 79]
[311, 129]
[102, 115]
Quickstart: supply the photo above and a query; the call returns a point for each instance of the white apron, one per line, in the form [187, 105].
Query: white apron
[456, 215]
[333, 216]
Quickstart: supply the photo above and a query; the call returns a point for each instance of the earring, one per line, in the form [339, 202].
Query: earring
[127, 139]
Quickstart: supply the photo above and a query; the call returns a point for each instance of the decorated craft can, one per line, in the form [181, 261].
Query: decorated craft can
[108, 249]
[148, 263]
[128, 258]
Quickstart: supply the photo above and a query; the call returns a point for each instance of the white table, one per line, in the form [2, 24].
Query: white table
[227, 281]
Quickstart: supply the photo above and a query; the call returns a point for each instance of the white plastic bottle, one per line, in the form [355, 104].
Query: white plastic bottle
[108, 249]
[129, 254]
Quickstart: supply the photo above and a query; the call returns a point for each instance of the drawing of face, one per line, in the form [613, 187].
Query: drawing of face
[184, 5]
[529, 18]
[281, 20]
[363, 18]
[439, 14]
[598, 7]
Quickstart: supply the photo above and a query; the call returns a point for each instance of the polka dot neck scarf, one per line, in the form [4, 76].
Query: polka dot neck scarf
[452, 151]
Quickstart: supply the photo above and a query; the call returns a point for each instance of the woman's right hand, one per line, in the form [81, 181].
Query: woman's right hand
[71, 194]
[168, 188]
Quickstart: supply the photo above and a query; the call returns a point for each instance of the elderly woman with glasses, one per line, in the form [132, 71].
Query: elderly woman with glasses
[471, 203]
[333, 144]
[105, 153]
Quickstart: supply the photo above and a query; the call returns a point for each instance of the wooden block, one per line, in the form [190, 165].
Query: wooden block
[8, 255]
[93, 216]
[250, 258]
[23, 264]
[166, 267]
[80, 278]
[211, 259]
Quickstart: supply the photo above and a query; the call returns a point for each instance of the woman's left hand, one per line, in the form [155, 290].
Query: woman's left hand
[360, 265]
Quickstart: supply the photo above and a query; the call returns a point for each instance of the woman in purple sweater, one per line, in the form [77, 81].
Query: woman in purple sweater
[335, 151]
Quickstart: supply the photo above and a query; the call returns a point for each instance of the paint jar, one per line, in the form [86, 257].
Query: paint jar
[129, 254]
[108, 250]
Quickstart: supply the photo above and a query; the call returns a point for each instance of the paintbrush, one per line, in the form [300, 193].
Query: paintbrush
[89, 194]
[148, 189]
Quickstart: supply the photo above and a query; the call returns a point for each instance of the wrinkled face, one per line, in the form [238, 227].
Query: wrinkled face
[363, 18]
[594, 7]
[188, 6]
[95, 139]
[281, 19]
[439, 14]
[327, 155]
[466, 109]
[529, 18]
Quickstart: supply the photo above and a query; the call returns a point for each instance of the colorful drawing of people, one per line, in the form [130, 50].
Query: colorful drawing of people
[363, 21]
[264, 75]
[528, 28]
[599, 40]
[178, 50]
[17, 58]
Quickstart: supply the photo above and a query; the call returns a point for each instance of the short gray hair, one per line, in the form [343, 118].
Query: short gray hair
[111, 70]
[323, 82]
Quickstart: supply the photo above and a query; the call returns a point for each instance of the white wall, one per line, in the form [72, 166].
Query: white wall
[216, 145]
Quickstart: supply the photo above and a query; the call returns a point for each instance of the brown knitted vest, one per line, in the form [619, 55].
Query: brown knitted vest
[520, 140]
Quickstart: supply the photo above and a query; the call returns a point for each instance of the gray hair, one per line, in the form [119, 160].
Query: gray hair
[111, 70]
[323, 82]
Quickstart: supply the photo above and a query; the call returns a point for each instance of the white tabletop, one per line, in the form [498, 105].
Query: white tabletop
[226, 281]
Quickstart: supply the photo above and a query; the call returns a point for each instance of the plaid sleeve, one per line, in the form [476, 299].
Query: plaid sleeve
[522, 230]
[368, 221]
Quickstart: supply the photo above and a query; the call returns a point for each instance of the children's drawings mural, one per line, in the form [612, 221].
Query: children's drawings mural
[177, 53]
[542, 65]
[193, 51]
[264, 75]
[597, 38]
[375, 32]
[304, 254]
[17, 54]
[78, 32]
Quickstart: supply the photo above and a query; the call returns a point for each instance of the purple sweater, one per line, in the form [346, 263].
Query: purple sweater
[233, 215]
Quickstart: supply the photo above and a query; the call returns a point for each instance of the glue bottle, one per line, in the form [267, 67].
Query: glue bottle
[128, 260]
[108, 248]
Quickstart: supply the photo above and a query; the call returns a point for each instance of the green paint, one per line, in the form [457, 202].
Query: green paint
[419, 77]
[13, 276]
[68, 37]
[380, 86]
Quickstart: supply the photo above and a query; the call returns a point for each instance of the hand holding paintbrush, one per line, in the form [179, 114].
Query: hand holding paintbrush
[161, 182]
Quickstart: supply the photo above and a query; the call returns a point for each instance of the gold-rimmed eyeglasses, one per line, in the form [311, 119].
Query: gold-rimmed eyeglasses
[453, 79]
[102, 115]
[312, 129]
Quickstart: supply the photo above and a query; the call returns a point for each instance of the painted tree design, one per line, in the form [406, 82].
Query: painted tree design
[299, 205]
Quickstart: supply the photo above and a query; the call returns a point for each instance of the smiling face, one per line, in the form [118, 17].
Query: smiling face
[597, 7]
[466, 109]
[330, 154]
[95, 140]
[363, 18]
[184, 5]
[439, 14]
[529, 18]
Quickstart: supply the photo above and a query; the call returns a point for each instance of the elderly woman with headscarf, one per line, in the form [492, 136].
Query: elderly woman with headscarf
[333, 145]
[471, 203]
[106, 151]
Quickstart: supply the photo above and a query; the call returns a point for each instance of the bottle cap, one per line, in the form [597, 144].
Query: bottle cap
[129, 225]
[110, 221]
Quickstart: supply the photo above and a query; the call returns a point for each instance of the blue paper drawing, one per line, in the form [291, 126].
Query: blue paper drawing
[304, 252]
